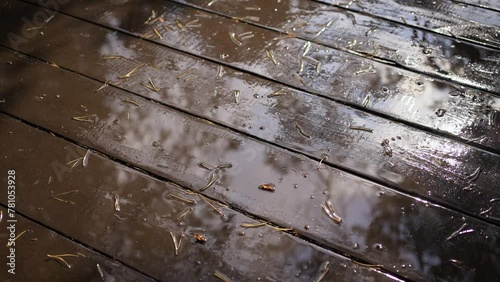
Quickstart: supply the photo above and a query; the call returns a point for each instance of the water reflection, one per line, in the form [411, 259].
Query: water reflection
[129, 132]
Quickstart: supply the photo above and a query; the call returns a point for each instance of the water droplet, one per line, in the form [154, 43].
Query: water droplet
[156, 144]
[307, 227]
[256, 95]
[440, 112]
[295, 186]
[455, 93]
[378, 246]
[385, 89]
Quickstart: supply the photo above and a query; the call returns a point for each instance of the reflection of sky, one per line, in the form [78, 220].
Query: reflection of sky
[187, 141]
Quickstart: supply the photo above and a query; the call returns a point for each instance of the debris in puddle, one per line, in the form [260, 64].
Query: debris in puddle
[113, 57]
[220, 70]
[459, 231]
[130, 73]
[151, 18]
[321, 161]
[221, 276]
[486, 211]
[54, 65]
[387, 147]
[179, 24]
[328, 24]
[306, 48]
[166, 28]
[210, 204]
[279, 228]
[181, 198]
[177, 243]
[151, 86]
[74, 162]
[200, 238]
[253, 8]
[246, 35]
[235, 40]
[301, 131]
[492, 116]
[367, 264]
[60, 258]
[213, 178]
[372, 29]
[270, 55]
[278, 93]
[296, 76]
[268, 187]
[236, 96]
[440, 112]
[130, 101]
[103, 86]
[311, 60]
[101, 273]
[206, 166]
[120, 218]
[253, 225]
[86, 118]
[367, 70]
[323, 271]
[57, 196]
[185, 72]
[85, 161]
[211, 2]
[184, 214]
[117, 203]
[361, 128]
[328, 209]
[157, 33]
[474, 176]
[12, 242]
[193, 23]
[301, 66]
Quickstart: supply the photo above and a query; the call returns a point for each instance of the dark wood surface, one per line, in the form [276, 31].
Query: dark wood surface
[403, 175]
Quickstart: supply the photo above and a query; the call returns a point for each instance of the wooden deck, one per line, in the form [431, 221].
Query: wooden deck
[135, 127]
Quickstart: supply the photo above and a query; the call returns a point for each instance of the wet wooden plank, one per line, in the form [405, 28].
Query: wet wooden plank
[488, 4]
[446, 17]
[136, 230]
[32, 247]
[462, 113]
[410, 48]
[172, 145]
[412, 161]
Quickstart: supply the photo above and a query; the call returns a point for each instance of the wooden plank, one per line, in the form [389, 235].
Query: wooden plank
[137, 232]
[421, 164]
[409, 48]
[463, 113]
[31, 248]
[488, 4]
[380, 225]
[446, 17]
